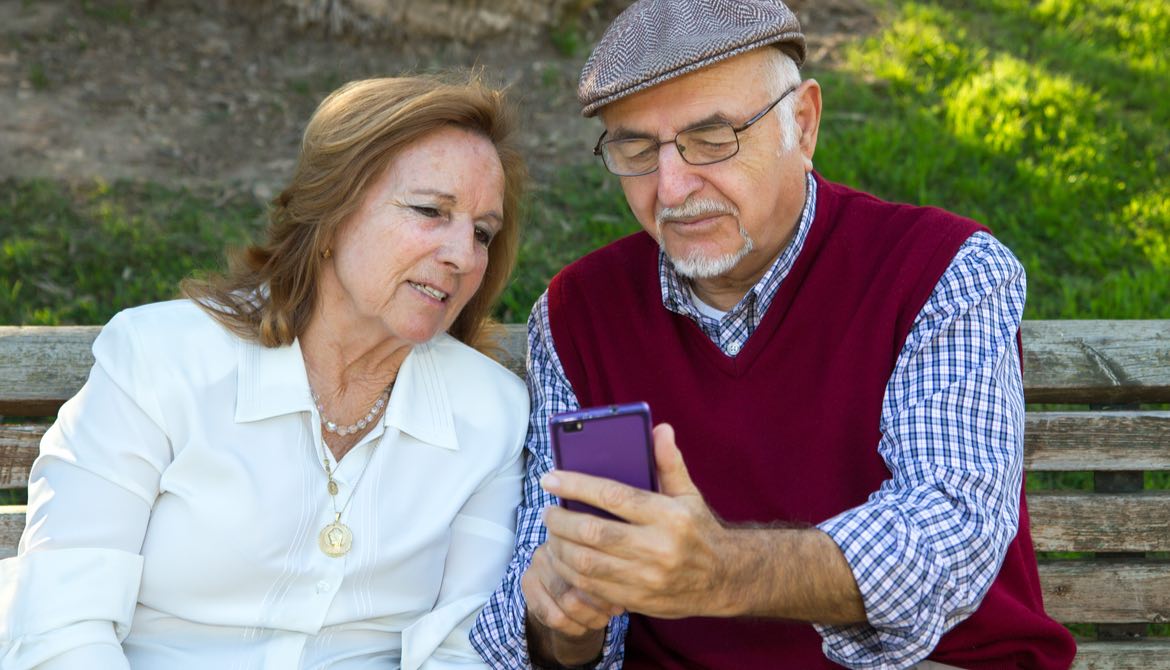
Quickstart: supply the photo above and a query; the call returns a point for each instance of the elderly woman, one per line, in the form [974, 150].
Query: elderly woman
[306, 463]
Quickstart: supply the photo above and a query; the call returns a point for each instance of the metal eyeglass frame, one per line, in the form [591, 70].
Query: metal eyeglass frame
[601, 141]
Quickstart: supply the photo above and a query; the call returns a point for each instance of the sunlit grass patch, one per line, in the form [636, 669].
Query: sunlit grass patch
[1030, 118]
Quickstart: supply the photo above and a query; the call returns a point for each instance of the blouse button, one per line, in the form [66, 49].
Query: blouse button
[322, 586]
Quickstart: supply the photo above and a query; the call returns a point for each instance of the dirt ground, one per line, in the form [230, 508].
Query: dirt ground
[198, 92]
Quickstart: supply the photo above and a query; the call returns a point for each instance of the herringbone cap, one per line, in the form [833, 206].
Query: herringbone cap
[656, 40]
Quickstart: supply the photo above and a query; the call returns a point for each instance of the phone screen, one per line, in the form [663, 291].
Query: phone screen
[612, 441]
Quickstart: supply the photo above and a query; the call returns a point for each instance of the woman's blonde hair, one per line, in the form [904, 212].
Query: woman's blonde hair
[269, 291]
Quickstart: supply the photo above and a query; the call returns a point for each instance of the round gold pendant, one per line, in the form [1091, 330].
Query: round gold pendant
[335, 539]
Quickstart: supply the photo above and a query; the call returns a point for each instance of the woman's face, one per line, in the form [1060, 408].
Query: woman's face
[415, 251]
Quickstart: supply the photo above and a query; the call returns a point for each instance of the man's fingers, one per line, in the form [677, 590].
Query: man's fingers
[626, 502]
[543, 607]
[556, 604]
[586, 529]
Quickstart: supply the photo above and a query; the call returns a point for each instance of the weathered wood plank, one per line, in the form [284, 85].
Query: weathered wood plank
[513, 347]
[1097, 361]
[1065, 361]
[1076, 521]
[42, 366]
[11, 526]
[1081, 591]
[1135, 655]
[1054, 441]
[1063, 441]
[18, 449]
[1128, 481]
[1096, 591]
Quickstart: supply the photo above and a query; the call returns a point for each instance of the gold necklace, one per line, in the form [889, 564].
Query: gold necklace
[336, 539]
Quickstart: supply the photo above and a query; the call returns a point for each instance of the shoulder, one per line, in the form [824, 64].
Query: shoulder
[624, 271]
[488, 404]
[471, 375]
[983, 266]
[860, 208]
[164, 334]
[982, 250]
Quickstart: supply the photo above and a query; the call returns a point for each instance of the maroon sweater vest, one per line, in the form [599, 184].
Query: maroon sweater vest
[787, 431]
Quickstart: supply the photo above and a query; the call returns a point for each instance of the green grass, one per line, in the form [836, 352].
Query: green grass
[1048, 121]
[110, 11]
[77, 255]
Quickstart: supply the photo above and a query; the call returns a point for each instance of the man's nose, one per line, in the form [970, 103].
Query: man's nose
[677, 179]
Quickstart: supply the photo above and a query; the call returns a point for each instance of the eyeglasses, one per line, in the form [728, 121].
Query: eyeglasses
[704, 145]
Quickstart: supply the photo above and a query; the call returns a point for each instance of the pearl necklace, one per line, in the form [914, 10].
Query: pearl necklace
[361, 423]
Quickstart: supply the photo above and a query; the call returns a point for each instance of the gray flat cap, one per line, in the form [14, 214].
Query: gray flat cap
[656, 40]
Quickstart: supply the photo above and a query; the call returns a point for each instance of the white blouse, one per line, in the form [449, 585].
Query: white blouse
[175, 506]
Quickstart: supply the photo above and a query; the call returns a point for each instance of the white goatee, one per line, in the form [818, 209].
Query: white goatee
[697, 265]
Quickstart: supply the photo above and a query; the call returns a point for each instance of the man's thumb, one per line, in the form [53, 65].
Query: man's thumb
[673, 478]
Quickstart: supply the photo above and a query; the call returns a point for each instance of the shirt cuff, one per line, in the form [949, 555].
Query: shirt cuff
[612, 650]
[901, 587]
[60, 650]
[57, 600]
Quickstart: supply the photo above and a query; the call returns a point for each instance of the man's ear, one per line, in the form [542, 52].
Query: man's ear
[808, 119]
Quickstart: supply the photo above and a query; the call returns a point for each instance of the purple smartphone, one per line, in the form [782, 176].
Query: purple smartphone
[612, 441]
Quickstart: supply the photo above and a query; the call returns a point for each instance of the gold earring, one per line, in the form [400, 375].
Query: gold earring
[328, 253]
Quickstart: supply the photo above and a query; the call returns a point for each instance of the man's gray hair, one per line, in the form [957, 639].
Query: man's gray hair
[783, 74]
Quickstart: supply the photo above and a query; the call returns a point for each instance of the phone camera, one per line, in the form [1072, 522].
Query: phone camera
[575, 427]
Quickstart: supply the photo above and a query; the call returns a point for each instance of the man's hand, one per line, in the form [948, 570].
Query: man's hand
[676, 559]
[669, 561]
[565, 625]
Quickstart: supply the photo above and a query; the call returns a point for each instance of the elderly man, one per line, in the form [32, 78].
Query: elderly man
[841, 377]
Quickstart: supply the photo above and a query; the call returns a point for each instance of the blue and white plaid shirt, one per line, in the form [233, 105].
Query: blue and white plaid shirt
[927, 544]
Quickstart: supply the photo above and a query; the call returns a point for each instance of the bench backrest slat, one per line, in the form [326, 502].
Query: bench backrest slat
[1064, 362]
[1078, 441]
[11, 526]
[1111, 362]
[1110, 522]
[1128, 655]
[1055, 441]
[1127, 592]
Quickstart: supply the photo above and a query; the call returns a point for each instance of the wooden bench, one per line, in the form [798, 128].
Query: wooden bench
[1108, 369]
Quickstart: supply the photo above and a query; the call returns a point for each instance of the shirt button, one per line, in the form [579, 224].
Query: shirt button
[733, 348]
[322, 586]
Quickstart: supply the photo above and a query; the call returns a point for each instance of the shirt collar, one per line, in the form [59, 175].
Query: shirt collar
[420, 405]
[273, 382]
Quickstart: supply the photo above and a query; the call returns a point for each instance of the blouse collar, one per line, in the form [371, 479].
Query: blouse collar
[273, 382]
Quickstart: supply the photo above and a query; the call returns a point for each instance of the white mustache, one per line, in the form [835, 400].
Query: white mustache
[693, 208]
